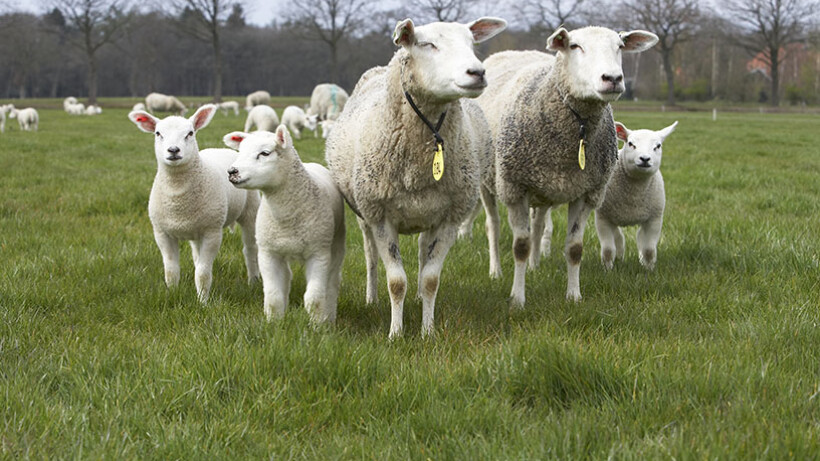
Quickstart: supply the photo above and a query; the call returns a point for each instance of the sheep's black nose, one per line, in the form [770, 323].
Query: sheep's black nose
[612, 78]
[476, 72]
[233, 171]
[645, 159]
[173, 149]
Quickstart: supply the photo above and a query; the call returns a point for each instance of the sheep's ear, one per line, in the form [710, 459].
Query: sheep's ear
[486, 28]
[233, 140]
[638, 40]
[621, 132]
[405, 33]
[283, 138]
[668, 130]
[202, 117]
[559, 40]
[144, 121]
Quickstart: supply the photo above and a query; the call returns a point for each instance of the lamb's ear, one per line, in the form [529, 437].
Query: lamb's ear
[233, 140]
[283, 138]
[621, 132]
[405, 33]
[638, 40]
[144, 121]
[486, 28]
[668, 130]
[559, 40]
[202, 117]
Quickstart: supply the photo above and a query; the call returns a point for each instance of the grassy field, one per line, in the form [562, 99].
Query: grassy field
[714, 355]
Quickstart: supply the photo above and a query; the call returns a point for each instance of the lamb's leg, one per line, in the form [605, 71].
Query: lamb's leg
[250, 250]
[492, 225]
[648, 235]
[387, 242]
[335, 277]
[465, 230]
[537, 215]
[203, 267]
[276, 277]
[577, 215]
[169, 247]
[519, 218]
[371, 257]
[606, 236]
[317, 273]
[437, 243]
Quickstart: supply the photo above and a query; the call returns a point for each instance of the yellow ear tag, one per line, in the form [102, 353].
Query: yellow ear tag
[582, 159]
[438, 162]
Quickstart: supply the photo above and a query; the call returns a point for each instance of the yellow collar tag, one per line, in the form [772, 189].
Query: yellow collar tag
[438, 162]
[582, 159]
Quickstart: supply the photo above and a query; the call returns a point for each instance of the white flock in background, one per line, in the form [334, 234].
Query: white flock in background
[263, 117]
[327, 101]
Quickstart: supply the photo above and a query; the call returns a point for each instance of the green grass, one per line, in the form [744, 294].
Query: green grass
[714, 355]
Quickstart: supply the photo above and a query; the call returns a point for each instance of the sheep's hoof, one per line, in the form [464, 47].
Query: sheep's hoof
[608, 264]
[516, 303]
[495, 273]
[395, 333]
[574, 296]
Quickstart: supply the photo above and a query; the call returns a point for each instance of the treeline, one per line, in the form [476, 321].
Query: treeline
[153, 53]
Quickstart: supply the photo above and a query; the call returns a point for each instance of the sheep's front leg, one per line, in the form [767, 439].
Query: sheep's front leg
[276, 277]
[606, 236]
[648, 236]
[387, 242]
[250, 251]
[537, 216]
[317, 273]
[371, 257]
[518, 215]
[574, 248]
[206, 249]
[335, 277]
[492, 224]
[437, 243]
[169, 247]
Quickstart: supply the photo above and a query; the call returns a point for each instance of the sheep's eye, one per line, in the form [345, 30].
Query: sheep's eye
[575, 46]
[158, 135]
[190, 133]
[427, 45]
[657, 147]
[631, 145]
[264, 153]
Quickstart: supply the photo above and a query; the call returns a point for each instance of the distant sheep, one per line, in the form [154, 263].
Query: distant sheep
[327, 127]
[27, 118]
[69, 101]
[158, 102]
[192, 199]
[301, 218]
[634, 196]
[93, 110]
[263, 117]
[256, 98]
[226, 106]
[76, 109]
[327, 101]
[297, 120]
[5, 108]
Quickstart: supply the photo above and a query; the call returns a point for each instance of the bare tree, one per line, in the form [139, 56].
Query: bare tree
[330, 21]
[203, 20]
[673, 21]
[439, 10]
[548, 15]
[92, 24]
[770, 25]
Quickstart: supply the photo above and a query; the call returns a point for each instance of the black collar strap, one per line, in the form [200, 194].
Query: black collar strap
[427, 122]
[581, 121]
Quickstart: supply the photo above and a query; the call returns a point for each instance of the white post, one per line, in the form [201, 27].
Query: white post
[714, 114]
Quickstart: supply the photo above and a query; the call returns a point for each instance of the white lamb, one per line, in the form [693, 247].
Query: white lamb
[3, 110]
[634, 196]
[192, 199]
[69, 101]
[297, 120]
[226, 106]
[256, 98]
[158, 102]
[554, 134]
[263, 117]
[27, 118]
[301, 219]
[76, 109]
[327, 127]
[93, 110]
[138, 106]
[384, 157]
[327, 101]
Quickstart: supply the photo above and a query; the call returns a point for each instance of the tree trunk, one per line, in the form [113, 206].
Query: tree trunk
[92, 79]
[670, 76]
[217, 66]
[775, 71]
[334, 62]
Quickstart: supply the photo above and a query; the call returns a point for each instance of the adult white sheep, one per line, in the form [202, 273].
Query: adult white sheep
[554, 134]
[192, 199]
[158, 102]
[69, 101]
[297, 120]
[93, 110]
[27, 118]
[383, 153]
[226, 106]
[634, 196]
[301, 219]
[256, 98]
[263, 117]
[327, 101]
[76, 109]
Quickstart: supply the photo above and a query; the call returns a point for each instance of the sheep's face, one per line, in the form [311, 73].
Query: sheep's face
[311, 121]
[442, 60]
[592, 59]
[642, 151]
[174, 137]
[264, 158]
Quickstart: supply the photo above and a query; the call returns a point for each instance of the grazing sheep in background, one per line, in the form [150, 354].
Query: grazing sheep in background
[93, 110]
[301, 218]
[327, 126]
[296, 120]
[76, 109]
[192, 199]
[158, 102]
[554, 134]
[634, 196]
[327, 101]
[138, 106]
[264, 117]
[256, 98]
[3, 110]
[383, 156]
[27, 118]
[68, 102]
[229, 105]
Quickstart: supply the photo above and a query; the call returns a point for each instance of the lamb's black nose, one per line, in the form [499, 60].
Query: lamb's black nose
[644, 159]
[173, 149]
[477, 72]
[232, 171]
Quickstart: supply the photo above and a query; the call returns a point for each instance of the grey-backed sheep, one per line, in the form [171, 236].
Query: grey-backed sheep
[301, 218]
[192, 199]
[542, 109]
[381, 154]
[327, 101]
[263, 117]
